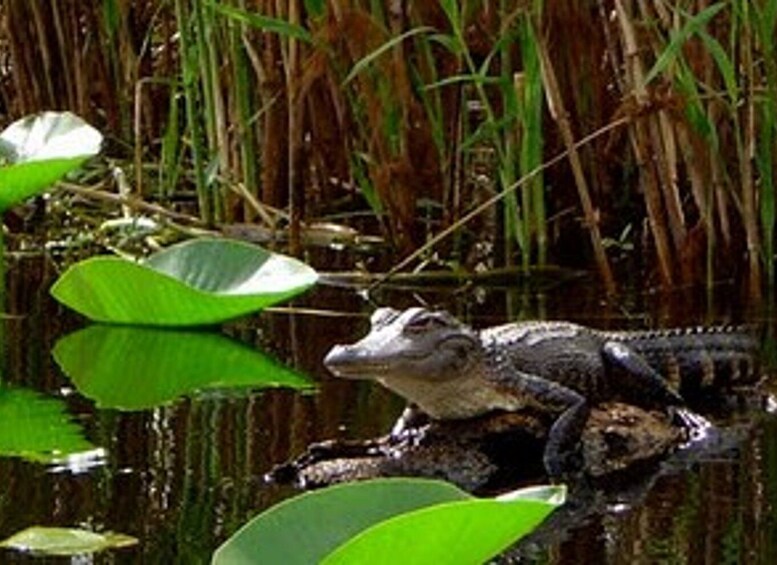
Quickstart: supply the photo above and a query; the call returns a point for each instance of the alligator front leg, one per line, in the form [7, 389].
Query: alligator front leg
[562, 450]
[640, 384]
[636, 381]
[411, 418]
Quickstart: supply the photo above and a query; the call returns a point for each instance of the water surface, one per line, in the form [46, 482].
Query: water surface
[182, 477]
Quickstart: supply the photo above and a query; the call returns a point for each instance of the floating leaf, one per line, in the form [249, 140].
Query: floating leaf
[473, 530]
[198, 282]
[41, 149]
[339, 516]
[65, 541]
[138, 368]
[38, 428]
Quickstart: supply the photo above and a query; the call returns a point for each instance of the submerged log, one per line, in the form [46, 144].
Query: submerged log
[488, 453]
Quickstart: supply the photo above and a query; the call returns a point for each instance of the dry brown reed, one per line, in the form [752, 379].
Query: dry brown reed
[329, 108]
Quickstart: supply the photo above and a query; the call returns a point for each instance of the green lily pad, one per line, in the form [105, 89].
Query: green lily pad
[130, 368]
[390, 521]
[474, 530]
[198, 282]
[65, 542]
[38, 428]
[40, 150]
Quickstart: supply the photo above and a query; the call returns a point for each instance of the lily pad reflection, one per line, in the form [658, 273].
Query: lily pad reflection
[65, 542]
[38, 428]
[131, 368]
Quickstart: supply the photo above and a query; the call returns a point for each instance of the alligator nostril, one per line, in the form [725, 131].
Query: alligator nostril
[335, 356]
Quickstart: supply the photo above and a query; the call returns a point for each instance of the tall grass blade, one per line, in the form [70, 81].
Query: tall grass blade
[265, 23]
[368, 59]
[674, 49]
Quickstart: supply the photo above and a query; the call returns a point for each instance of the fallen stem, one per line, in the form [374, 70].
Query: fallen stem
[494, 199]
[129, 201]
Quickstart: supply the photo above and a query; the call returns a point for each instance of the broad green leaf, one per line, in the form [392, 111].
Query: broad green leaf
[40, 150]
[38, 428]
[130, 368]
[328, 518]
[199, 282]
[473, 531]
[65, 541]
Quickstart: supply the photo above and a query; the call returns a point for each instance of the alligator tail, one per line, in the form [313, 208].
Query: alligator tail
[700, 358]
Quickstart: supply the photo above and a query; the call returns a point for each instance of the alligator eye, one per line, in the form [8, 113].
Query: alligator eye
[383, 316]
[425, 323]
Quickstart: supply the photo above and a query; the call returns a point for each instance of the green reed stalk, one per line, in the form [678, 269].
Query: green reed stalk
[746, 145]
[215, 142]
[361, 159]
[431, 100]
[244, 109]
[392, 122]
[171, 153]
[511, 140]
[286, 29]
[190, 72]
[494, 131]
[765, 22]
[706, 169]
[112, 20]
[530, 111]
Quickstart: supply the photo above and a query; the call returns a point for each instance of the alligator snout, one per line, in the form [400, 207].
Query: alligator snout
[341, 360]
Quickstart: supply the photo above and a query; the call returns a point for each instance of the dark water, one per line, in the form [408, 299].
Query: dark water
[183, 477]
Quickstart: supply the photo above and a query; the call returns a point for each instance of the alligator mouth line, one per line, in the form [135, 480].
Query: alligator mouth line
[369, 369]
[362, 370]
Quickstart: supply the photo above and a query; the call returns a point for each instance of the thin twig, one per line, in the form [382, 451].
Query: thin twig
[494, 199]
[559, 113]
[131, 202]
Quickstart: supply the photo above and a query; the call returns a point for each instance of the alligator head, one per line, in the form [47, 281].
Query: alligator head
[428, 357]
[416, 343]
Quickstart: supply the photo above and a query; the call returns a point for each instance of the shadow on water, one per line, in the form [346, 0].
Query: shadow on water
[183, 475]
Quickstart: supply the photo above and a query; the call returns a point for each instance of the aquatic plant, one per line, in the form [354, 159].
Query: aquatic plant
[389, 521]
[203, 281]
[418, 113]
[37, 151]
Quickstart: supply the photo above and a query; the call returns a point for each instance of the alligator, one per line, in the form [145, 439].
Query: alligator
[451, 371]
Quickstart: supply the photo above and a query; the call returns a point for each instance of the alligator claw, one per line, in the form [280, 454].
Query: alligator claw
[697, 426]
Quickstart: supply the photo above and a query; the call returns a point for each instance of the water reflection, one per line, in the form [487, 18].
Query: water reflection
[183, 476]
[38, 428]
[137, 368]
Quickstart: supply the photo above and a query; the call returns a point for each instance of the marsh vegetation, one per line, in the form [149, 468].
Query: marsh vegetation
[517, 145]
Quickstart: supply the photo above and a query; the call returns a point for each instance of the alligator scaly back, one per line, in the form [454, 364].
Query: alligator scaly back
[699, 358]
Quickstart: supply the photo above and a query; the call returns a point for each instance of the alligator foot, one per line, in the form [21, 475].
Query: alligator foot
[696, 426]
[410, 420]
[620, 438]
